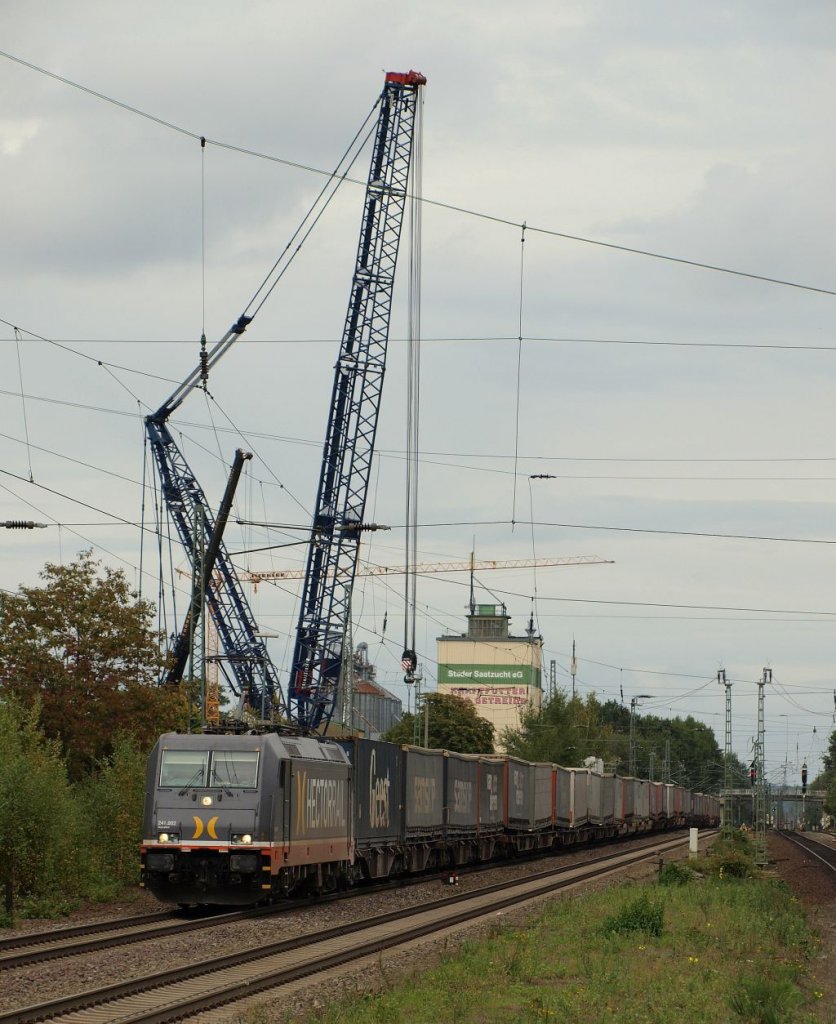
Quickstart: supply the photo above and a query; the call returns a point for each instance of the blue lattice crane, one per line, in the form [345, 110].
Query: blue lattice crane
[353, 415]
[247, 667]
[346, 462]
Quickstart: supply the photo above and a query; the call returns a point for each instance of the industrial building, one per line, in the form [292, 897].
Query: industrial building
[500, 674]
[373, 708]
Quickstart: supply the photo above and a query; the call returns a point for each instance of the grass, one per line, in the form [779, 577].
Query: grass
[708, 947]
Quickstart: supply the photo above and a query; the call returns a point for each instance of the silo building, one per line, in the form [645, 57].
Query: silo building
[501, 674]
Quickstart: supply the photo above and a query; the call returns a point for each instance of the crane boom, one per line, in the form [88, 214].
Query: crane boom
[422, 568]
[247, 666]
[353, 415]
[180, 652]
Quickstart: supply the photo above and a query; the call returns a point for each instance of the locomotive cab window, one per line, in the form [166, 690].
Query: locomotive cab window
[238, 768]
[184, 767]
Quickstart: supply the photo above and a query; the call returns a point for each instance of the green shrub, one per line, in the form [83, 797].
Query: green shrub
[675, 872]
[39, 823]
[640, 914]
[732, 864]
[59, 842]
[113, 798]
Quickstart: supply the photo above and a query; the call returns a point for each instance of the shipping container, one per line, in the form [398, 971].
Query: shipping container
[423, 794]
[657, 800]
[461, 789]
[563, 797]
[630, 798]
[608, 799]
[580, 797]
[543, 796]
[642, 799]
[595, 799]
[519, 793]
[377, 774]
[491, 794]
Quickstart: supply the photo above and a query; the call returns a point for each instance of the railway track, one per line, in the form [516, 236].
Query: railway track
[826, 855]
[38, 947]
[174, 994]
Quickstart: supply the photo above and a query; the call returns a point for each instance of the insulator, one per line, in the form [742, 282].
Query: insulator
[204, 360]
[19, 524]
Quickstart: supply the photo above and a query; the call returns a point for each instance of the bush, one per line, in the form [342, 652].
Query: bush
[732, 864]
[60, 843]
[39, 823]
[675, 873]
[112, 798]
[640, 914]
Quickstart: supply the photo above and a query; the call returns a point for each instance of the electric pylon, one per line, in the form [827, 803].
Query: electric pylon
[726, 822]
[760, 781]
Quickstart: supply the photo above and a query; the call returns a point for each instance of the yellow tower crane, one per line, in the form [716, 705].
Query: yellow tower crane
[425, 568]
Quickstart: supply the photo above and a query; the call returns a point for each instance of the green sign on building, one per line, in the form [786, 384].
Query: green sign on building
[489, 675]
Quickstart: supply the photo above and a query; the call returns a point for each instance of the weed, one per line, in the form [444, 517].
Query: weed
[763, 1001]
[728, 863]
[640, 914]
[675, 873]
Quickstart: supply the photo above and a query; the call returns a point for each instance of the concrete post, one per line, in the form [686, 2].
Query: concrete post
[693, 843]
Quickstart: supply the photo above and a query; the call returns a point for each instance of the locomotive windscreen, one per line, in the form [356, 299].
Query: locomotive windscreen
[209, 769]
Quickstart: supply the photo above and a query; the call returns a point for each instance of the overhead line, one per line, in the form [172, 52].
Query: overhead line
[398, 453]
[625, 529]
[549, 232]
[445, 339]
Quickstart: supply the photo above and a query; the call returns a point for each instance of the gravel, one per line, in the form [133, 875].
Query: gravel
[23, 986]
[812, 884]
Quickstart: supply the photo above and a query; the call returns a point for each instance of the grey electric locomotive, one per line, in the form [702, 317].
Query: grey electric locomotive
[237, 819]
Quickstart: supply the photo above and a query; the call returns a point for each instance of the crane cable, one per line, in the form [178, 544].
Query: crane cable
[23, 403]
[409, 659]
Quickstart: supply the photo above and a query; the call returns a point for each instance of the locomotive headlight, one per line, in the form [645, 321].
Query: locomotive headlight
[206, 801]
[169, 837]
[244, 838]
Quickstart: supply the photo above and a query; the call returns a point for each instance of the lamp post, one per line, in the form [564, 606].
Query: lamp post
[633, 703]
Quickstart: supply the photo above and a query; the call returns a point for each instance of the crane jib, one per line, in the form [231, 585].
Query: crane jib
[352, 422]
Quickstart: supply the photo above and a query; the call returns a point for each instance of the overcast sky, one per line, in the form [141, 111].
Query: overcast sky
[667, 400]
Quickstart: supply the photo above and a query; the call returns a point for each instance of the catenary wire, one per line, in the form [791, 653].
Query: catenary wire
[452, 207]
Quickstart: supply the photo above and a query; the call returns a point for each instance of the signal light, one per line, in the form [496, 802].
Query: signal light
[753, 774]
[804, 779]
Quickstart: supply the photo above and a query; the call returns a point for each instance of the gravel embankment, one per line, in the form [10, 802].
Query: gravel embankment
[40, 982]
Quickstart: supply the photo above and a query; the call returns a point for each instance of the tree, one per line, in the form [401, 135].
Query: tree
[83, 649]
[566, 731]
[454, 724]
[39, 832]
[827, 779]
[695, 756]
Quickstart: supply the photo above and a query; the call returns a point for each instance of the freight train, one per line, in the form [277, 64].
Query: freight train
[233, 819]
